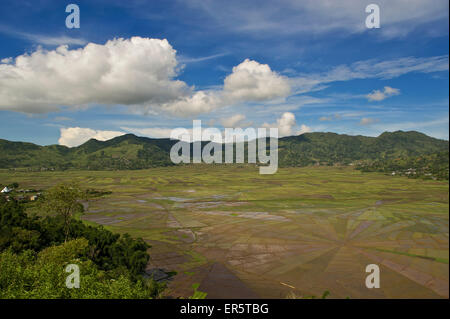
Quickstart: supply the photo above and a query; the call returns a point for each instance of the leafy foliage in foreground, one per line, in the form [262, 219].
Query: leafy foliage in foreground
[41, 275]
[34, 253]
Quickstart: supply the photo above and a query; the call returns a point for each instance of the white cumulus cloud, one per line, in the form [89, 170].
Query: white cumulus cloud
[122, 71]
[304, 129]
[153, 132]
[252, 81]
[137, 72]
[378, 95]
[233, 120]
[74, 136]
[285, 124]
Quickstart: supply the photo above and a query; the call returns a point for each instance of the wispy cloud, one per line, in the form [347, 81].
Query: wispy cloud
[434, 127]
[330, 118]
[369, 69]
[318, 17]
[42, 39]
[186, 59]
[62, 118]
[367, 121]
[412, 125]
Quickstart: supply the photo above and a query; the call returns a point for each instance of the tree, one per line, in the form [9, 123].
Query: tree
[42, 275]
[13, 185]
[64, 200]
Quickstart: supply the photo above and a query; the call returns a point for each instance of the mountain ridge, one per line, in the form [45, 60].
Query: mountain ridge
[130, 151]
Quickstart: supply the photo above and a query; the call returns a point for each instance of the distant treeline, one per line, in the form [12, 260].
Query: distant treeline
[429, 166]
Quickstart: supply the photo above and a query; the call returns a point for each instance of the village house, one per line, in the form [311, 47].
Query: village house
[6, 190]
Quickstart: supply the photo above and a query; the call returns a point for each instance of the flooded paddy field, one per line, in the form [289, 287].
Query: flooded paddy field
[301, 231]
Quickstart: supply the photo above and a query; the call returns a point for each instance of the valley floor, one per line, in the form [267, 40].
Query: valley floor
[301, 231]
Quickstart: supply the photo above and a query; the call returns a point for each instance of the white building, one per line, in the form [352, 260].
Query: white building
[5, 190]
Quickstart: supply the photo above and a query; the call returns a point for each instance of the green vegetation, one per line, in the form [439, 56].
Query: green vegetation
[441, 260]
[132, 152]
[198, 294]
[123, 152]
[64, 201]
[331, 148]
[292, 295]
[35, 249]
[303, 229]
[41, 275]
[428, 166]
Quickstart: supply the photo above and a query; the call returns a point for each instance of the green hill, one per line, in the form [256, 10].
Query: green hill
[332, 148]
[123, 152]
[133, 152]
[428, 166]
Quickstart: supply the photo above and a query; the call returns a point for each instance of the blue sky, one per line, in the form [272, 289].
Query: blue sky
[298, 65]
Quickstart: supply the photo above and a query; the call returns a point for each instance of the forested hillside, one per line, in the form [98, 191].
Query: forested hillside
[133, 152]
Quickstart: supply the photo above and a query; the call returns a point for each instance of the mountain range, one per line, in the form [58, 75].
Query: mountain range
[132, 152]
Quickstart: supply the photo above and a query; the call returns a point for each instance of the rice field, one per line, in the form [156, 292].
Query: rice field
[237, 234]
